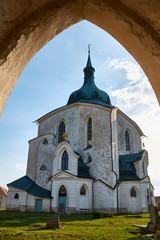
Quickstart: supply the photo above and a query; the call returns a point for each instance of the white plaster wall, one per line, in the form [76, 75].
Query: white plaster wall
[16, 204]
[31, 203]
[135, 141]
[114, 139]
[73, 193]
[139, 169]
[128, 204]
[105, 200]
[72, 159]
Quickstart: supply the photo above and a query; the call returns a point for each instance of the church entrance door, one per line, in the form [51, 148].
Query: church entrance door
[62, 199]
[38, 205]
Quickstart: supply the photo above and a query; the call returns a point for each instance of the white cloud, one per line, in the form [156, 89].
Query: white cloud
[136, 95]
[133, 71]
[138, 101]
[157, 191]
[20, 166]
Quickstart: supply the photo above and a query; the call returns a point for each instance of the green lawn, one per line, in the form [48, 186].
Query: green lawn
[14, 225]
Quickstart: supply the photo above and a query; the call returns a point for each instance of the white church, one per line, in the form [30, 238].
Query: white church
[87, 157]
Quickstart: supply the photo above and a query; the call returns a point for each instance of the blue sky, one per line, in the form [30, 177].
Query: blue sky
[55, 72]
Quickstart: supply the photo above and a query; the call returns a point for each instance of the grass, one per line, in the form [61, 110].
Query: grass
[15, 225]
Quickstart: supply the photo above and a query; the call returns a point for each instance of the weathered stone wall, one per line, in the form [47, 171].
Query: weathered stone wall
[39, 155]
[135, 141]
[25, 202]
[16, 204]
[75, 119]
[105, 199]
[138, 204]
[44, 161]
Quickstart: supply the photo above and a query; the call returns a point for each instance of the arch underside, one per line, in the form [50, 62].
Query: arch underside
[27, 26]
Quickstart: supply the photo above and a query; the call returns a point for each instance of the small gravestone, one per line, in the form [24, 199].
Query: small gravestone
[155, 223]
[53, 221]
[154, 214]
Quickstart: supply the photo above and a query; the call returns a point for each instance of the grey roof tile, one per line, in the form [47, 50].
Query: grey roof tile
[127, 168]
[27, 184]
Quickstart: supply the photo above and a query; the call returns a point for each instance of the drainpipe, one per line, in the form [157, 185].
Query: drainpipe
[117, 179]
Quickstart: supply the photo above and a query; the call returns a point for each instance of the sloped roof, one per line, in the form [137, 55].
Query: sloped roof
[127, 167]
[27, 184]
[4, 190]
[83, 169]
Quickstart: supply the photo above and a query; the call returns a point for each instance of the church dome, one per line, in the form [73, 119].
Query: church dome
[89, 92]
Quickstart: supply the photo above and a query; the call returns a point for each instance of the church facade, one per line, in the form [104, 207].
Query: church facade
[87, 157]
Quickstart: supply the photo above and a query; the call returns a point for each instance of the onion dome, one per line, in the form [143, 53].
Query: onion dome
[89, 92]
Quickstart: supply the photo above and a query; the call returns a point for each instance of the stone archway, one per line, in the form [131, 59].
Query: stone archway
[26, 26]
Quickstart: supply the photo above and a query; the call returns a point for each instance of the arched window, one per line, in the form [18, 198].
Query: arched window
[127, 140]
[133, 192]
[83, 191]
[64, 160]
[62, 191]
[61, 131]
[16, 196]
[89, 129]
[45, 141]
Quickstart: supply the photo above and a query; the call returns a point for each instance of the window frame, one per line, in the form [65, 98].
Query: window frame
[133, 192]
[127, 141]
[89, 129]
[45, 141]
[60, 191]
[82, 190]
[64, 161]
[61, 131]
[16, 196]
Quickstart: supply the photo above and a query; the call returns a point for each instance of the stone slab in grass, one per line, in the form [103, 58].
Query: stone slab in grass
[53, 221]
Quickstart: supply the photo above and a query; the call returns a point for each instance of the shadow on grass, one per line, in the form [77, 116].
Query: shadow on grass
[19, 219]
[133, 238]
[34, 229]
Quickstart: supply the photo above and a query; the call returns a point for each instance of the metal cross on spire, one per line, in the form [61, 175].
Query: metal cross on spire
[89, 48]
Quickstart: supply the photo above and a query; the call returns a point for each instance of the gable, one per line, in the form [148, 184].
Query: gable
[63, 175]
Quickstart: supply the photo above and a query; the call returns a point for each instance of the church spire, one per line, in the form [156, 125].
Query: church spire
[89, 64]
[89, 93]
[89, 70]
